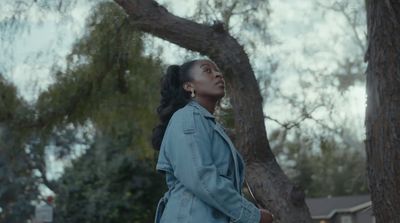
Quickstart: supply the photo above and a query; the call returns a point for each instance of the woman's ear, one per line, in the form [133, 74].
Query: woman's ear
[188, 86]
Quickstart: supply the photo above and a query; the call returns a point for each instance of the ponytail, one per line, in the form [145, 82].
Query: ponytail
[173, 97]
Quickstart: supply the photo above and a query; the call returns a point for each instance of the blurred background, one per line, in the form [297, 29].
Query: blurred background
[79, 87]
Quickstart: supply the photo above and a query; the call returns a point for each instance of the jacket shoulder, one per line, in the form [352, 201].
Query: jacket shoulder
[184, 119]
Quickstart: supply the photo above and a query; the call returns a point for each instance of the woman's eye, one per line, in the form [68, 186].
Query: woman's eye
[208, 70]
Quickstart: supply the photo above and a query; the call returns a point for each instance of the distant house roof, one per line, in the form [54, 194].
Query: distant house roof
[326, 207]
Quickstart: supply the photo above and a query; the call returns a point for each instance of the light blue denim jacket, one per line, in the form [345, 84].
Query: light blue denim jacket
[204, 172]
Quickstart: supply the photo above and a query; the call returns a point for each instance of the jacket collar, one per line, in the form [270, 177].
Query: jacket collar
[202, 110]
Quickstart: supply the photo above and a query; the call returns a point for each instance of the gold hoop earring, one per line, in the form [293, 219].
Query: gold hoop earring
[192, 95]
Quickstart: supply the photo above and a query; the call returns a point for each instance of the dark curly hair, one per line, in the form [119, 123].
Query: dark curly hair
[173, 97]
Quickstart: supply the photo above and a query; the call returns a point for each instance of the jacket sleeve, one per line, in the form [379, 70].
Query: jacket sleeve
[189, 147]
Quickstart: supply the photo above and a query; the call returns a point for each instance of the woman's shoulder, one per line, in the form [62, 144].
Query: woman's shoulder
[183, 118]
[184, 112]
[188, 118]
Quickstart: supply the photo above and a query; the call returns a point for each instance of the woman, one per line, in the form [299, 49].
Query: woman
[203, 170]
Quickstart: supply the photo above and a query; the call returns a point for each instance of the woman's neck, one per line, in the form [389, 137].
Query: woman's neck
[207, 104]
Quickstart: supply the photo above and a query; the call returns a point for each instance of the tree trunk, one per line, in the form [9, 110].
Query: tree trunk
[268, 182]
[383, 108]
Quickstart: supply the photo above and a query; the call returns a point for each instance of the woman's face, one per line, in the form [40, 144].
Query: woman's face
[208, 80]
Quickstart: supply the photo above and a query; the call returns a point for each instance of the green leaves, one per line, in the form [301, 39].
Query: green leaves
[108, 90]
[322, 166]
[109, 83]
[18, 186]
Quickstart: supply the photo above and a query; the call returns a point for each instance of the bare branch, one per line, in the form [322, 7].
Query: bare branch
[342, 8]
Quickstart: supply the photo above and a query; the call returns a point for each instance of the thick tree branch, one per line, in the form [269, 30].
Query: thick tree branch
[153, 18]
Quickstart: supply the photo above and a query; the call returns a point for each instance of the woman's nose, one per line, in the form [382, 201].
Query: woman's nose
[218, 74]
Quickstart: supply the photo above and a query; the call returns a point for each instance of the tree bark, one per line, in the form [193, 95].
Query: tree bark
[270, 185]
[383, 108]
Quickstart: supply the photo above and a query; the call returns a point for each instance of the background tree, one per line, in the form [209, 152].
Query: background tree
[321, 102]
[323, 167]
[18, 183]
[110, 85]
[383, 108]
